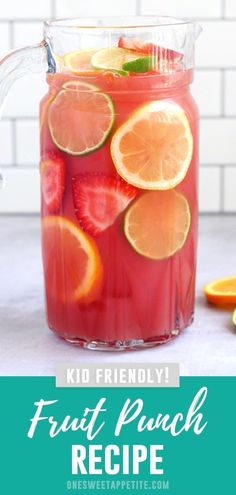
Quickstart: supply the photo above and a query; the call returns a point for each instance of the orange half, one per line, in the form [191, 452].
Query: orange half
[72, 263]
[153, 148]
[221, 291]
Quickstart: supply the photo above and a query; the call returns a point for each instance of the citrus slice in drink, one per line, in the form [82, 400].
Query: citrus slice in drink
[141, 64]
[74, 85]
[153, 148]
[80, 121]
[114, 59]
[234, 317]
[72, 261]
[221, 291]
[80, 61]
[157, 223]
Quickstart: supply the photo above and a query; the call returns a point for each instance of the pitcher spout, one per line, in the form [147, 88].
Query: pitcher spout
[197, 30]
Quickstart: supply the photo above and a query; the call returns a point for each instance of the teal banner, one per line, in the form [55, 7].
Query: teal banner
[173, 441]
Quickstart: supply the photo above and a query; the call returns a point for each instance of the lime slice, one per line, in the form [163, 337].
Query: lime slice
[157, 224]
[141, 64]
[80, 121]
[114, 59]
[234, 317]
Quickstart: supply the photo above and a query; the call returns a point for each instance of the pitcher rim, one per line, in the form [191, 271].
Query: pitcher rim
[92, 22]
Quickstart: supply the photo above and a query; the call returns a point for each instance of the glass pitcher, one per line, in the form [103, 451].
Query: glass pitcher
[119, 177]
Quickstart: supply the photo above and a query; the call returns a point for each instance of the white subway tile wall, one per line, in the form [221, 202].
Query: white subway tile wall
[214, 89]
[230, 8]
[70, 8]
[4, 37]
[229, 189]
[216, 45]
[230, 92]
[218, 141]
[207, 91]
[27, 142]
[183, 8]
[6, 155]
[210, 189]
[25, 9]
[26, 33]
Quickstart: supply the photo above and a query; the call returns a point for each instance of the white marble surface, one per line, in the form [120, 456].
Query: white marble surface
[27, 347]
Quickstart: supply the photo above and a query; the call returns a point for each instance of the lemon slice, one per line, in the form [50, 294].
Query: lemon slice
[153, 148]
[114, 59]
[79, 61]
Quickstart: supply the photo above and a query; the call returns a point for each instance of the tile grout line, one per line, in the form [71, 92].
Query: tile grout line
[216, 165]
[222, 188]
[13, 124]
[210, 69]
[53, 8]
[222, 94]
[210, 165]
[21, 166]
[20, 118]
[138, 7]
[218, 117]
[223, 9]
[14, 144]
[24, 20]
[11, 34]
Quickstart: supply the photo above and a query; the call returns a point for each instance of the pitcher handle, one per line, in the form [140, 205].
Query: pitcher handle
[19, 63]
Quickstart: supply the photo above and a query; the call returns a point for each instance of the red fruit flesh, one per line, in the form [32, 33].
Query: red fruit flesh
[150, 49]
[99, 199]
[52, 170]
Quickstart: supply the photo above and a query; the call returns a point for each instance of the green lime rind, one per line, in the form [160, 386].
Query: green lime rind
[114, 59]
[234, 317]
[97, 145]
[142, 64]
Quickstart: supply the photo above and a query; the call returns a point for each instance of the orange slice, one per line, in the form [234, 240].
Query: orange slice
[80, 120]
[80, 61]
[234, 317]
[222, 291]
[72, 264]
[74, 85]
[157, 224]
[153, 148]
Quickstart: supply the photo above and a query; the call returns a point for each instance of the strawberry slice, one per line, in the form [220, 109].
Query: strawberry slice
[99, 199]
[52, 170]
[150, 49]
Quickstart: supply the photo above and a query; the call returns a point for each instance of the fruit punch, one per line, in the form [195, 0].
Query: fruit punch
[119, 166]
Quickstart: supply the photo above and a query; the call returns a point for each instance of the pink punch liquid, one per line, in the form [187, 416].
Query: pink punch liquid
[142, 301]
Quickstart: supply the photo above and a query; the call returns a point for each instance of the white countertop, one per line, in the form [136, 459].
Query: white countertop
[27, 347]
